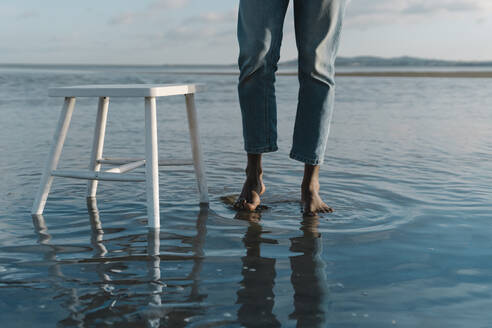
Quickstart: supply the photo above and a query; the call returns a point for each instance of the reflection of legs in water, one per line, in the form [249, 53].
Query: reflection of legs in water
[96, 227]
[251, 217]
[256, 297]
[93, 300]
[154, 266]
[100, 250]
[176, 315]
[44, 238]
[72, 303]
[197, 245]
[308, 276]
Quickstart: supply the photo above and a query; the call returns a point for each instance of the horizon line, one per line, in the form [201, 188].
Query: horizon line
[464, 61]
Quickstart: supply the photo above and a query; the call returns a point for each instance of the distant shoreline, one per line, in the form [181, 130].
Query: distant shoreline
[430, 74]
[423, 74]
[342, 71]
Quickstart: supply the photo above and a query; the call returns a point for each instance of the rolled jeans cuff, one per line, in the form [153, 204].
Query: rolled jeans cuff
[306, 160]
[261, 150]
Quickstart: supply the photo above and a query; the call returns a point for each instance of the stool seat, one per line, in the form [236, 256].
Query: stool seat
[124, 90]
[149, 93]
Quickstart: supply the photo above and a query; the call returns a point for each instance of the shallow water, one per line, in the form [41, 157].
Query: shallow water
[407, 172]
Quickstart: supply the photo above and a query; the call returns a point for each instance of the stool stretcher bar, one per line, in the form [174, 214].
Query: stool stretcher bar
[127, 167]
[103, 176]
[162, 162]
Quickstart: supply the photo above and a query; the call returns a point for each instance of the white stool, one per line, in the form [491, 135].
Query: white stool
[151, 161]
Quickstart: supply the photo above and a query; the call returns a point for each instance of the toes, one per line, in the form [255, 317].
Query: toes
[314, 212]
[239, 203]
[326, 210]
[250, 207]
[243, 204]
[309, 213]
[253, 203]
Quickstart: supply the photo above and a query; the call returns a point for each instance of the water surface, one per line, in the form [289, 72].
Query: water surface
[407, 171]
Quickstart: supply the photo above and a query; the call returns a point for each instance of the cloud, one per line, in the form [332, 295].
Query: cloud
[208, 27]
[426, 7]
[17, 13]
[123, 18]
[363, 13]
[185, 34]
[167, 4]
[153, 9]
[225, 17]
[28, 14]
[374, 7]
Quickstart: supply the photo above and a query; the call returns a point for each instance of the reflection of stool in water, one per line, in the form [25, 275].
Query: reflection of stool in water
[151, 161]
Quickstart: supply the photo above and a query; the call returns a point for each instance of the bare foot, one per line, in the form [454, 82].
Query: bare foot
[253, 187]
[312, 202]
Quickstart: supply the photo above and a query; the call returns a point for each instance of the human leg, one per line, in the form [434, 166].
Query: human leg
[312, 202]
[260, 26]
[253, 187]
[318, 26]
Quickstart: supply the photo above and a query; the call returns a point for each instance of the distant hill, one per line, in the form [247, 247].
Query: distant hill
[361, 61]
[370, 61]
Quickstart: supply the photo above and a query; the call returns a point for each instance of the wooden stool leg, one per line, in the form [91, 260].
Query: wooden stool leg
[151, 163]
[54, 156]
[98, 143]
[196, 148]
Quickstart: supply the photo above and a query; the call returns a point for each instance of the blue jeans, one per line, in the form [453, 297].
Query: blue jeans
[317, 28]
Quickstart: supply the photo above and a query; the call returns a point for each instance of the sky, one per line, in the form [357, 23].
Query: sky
[204, 31]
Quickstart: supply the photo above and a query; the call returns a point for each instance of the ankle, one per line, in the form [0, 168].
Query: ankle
[310, 181]
[253, 171]
[311, 186]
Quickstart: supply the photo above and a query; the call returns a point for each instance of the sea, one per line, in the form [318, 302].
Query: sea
[408, 172]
